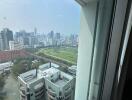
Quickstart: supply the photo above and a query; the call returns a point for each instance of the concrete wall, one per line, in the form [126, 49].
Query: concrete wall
[102, 34]
[86, 36]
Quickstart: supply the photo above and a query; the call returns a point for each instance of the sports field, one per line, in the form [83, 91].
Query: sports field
[64, 53]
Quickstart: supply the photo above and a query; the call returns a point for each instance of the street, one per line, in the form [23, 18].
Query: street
[11, 88]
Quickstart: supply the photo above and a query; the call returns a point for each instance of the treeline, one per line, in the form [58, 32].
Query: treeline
[22, 65]
[2, 83]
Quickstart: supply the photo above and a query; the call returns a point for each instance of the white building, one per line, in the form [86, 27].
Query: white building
[35, 84]
[1, 42]
[60, 86]
[13, 45]
[48, 72]
[72, 70]
[48, 65]
[5, 67]
[31, 86]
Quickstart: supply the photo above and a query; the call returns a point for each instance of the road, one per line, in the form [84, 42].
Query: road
[49, 60]
[11, 87]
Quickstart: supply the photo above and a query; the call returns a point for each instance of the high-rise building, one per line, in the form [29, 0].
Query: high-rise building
[23, 37]
[57, 39]
[58, 36]
[6, 35]
[35, 31]
[1, 43]
[50, 38]
[74, 40]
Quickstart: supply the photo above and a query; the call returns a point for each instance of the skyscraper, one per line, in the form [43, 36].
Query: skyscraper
[51, 38]
[1, 42]
[6, 35]
[35, 31]
[57, 39]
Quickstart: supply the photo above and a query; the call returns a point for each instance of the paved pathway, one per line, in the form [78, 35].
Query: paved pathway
[11, 87]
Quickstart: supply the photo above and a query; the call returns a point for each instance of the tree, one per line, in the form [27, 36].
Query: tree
[21, 65]
[2, 83]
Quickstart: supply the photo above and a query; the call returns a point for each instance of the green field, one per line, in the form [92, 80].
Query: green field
[63, 53]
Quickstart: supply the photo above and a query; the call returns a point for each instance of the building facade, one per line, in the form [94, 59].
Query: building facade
[14, 45]
[5, 67]
[6, 35]
[46, 83]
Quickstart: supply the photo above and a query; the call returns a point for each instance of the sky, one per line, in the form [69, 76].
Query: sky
[59, 15]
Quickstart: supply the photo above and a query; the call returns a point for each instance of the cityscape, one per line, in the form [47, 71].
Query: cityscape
[65, 49]
[38, 49]
[22, 39]
[32, 61]
[25, 58]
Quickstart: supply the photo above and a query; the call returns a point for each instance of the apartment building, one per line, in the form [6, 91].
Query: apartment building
[72, 70]
[60, 86]
[14, 45]
[46, 83]
[5, 67]
[31, 86]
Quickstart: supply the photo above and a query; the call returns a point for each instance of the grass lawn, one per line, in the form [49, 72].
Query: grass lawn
[64, 53]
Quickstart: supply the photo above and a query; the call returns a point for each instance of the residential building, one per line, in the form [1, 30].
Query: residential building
[31, 86]
[50, 38]
[6, 35]
[57, 39]
[23, 37]
[1, 42]
[72, 70]
[60, 86]
[37, 84]
[5, 67]
[14, 45]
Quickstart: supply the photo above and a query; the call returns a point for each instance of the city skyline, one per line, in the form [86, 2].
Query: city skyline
[28, 14]
[37, 32]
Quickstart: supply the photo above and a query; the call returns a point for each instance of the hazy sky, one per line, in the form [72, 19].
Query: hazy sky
[59, 15]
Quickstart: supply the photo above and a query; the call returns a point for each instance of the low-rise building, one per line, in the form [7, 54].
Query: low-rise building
[72, 70]
[48, 65]
[60, 86]
[31, 86]
[5, 67]
[40, 84]
[14, 45]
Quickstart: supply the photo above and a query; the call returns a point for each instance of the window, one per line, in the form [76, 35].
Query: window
[69, 46]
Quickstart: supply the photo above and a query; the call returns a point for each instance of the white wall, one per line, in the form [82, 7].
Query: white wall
[87, 24]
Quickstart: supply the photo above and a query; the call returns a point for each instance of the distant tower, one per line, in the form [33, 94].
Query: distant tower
[35, 31]
[6, 35]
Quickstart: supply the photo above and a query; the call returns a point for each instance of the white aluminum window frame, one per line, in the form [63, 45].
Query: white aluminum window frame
[114, 46]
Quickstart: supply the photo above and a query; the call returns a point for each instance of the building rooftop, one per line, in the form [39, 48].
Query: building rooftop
[33, 75]
[60, 79]
[54, 65]
[5, 65]
[60, 82]
[30, 76]
[48, 65]
[48, 72]
[72, 70]
[44, 66]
